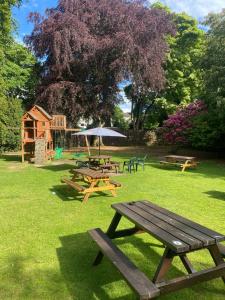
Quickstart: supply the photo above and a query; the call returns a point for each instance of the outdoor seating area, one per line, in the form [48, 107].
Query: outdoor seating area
[112, 150]
[159, 246]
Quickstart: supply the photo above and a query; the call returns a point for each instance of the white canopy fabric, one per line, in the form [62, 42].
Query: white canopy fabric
[100, 131]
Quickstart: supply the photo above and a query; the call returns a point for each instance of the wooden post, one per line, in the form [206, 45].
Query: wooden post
[22, 144]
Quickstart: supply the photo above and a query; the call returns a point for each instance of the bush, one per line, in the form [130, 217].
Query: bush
[150, 138]
[207, 132]
[176, 129]
[10, 123]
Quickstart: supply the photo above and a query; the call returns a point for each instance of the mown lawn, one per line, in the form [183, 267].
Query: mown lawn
[46, 253]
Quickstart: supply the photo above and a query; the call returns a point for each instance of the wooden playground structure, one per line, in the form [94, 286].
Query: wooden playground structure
[38, 128]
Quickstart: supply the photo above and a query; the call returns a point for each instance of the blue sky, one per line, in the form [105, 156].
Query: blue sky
[195, 8]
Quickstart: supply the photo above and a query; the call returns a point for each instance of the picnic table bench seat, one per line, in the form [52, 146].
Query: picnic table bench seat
[115, 183]
[137, 280]
[73, 184]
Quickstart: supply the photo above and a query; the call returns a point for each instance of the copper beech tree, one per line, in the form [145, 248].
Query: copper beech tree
[87, 47]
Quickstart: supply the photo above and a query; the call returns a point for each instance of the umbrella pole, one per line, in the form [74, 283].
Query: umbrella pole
[99, 145]
[86, 139]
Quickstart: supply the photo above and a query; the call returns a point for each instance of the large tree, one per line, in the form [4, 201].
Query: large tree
[214, 61]
[88, 47]
[17, 79]
[183, 74]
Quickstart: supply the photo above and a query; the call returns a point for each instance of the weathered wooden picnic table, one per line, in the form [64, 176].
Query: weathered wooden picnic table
[99, 158]
[179, 160]
[178, 235]
[97, 182]
[103, 162]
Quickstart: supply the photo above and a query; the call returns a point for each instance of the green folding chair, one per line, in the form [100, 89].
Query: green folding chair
[140, 161]
[58, 153]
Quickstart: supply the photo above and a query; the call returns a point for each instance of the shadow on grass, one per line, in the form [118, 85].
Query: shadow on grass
[11, 157]
[216, 194]
[85, 281]
[58, 168]
[66, 193]
[205, 169]
[19, 281]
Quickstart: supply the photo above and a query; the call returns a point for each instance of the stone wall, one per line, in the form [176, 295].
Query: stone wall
[39, 154]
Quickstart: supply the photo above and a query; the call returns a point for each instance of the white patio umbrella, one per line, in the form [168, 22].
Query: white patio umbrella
[100, 131]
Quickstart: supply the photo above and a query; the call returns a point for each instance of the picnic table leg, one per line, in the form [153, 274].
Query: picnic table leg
[216, 256]
[113, 192]
[110, 233]
[187, 264]
[164, 265]
[86, 196]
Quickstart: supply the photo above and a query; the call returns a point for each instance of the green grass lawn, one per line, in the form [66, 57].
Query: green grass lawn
[46, 253]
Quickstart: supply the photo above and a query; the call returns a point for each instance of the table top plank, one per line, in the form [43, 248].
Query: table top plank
[91, 173]
[99, 157]
[166, 238]
[205, 239]
[181, 157]
[175, 232]
[202, 229]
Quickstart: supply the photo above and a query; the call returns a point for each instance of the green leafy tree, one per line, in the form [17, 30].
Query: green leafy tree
[184, 79]
[118, 119]
[214, 62]
[184, 74]
[18, 77]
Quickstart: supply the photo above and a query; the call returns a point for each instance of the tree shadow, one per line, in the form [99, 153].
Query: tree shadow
[58, 168]
[11, 157]
[216, 194]
[19, 281]
[85, 281]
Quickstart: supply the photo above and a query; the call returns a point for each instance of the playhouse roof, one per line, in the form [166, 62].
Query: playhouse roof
[33, 113]
[43, 111]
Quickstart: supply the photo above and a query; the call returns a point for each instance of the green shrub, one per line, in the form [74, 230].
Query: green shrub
[207, 132]
[10, 123]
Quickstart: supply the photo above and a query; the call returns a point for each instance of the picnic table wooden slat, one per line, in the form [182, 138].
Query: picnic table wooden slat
[205, 239]
[91, 173]
[211, 233]
[175, 232]
[166, 238]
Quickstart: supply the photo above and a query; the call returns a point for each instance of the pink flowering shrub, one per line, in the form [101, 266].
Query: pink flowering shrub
[176, 128]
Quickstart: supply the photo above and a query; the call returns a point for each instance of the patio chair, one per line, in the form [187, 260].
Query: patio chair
[130, 164]
[141, 161]
[58, 153]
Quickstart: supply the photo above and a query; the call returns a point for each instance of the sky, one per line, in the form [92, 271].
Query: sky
[196, 8]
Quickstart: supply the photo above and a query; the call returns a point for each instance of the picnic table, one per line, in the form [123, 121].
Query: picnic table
[181, 161]
[100, 158]
[104, 163]
[179, 237]
[96, 181]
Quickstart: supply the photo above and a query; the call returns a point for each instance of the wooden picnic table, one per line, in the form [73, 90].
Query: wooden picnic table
[180, 160]
[97, 182]
[99, 158]
[178, 235]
